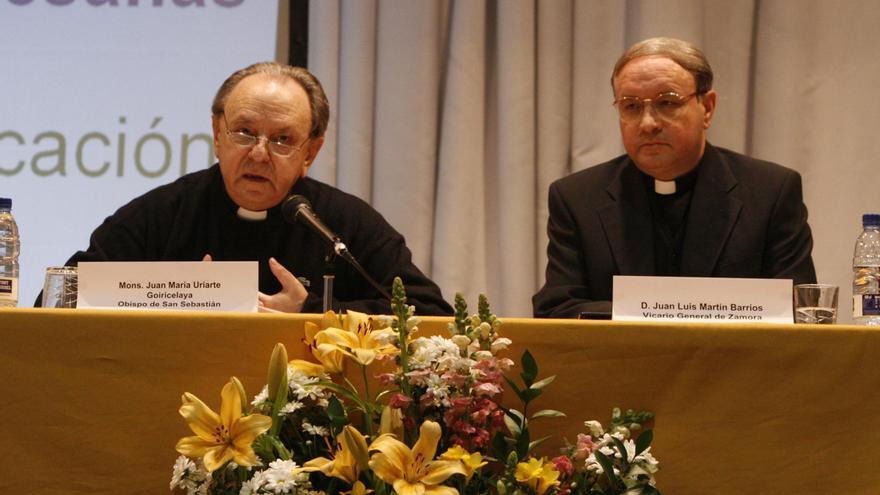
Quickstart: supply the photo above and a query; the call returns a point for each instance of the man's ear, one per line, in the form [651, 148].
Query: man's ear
[314, 147]
[215, 125]
[709, 100]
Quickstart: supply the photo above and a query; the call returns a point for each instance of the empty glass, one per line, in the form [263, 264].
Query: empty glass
[59, 289]
[815, 303]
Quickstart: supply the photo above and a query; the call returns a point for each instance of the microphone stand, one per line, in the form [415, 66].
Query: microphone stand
[329, 276]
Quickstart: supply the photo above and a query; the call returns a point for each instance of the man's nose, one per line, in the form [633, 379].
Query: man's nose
[648, 121]
[260, 150]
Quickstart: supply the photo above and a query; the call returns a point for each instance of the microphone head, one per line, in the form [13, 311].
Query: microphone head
[291, 206]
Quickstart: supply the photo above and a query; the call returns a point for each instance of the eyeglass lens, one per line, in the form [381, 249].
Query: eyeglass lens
[665, 105]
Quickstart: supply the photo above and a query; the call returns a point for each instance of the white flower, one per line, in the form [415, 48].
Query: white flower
[305, 387]
[253, 485]
[434, 352]
[279, 478]
[181, 466]
[261, 398]
[291, 407]
[439, 389]
[481, 355]
[191, 476]
[413, 322]
[484, 330]
[500, 344]
[320, 431]
[595, 427]
[462, 341]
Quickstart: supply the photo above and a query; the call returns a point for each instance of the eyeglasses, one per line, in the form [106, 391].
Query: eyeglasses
[278, 145]
[666, 106]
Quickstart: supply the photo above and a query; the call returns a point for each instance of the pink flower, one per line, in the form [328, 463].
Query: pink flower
[460, 405]
[585, 446]
[563, 465]
[481, 439]
[453, 378]
[487, 389]
[399, 401]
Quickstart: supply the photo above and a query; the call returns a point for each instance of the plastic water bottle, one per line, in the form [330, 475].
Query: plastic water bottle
[9, 249]
[866, 273]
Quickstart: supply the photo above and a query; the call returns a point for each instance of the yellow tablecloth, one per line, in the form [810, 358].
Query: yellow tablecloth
[89, 399]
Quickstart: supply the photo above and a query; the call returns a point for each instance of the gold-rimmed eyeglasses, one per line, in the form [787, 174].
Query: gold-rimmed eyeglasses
[279, 146]
[665, 105]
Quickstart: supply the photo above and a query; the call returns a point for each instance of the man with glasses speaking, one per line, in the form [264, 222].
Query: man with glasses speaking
[673, 205]
[268, 121]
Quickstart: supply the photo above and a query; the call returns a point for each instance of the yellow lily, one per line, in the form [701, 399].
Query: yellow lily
[358, 340]
[414, 472]
[358, 489]
[331, 359]
[307, 367]
[348, 461]
[391, 421]
[538, 474]
[470, 462]
[224, 437]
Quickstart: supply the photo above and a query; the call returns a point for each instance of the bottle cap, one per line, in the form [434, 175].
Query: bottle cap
[871, 219]
[6, 203]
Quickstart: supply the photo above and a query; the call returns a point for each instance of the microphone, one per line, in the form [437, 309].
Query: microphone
[296, 208]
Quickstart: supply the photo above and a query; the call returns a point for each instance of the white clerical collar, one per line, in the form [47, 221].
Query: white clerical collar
[253, 216]
[664, 187]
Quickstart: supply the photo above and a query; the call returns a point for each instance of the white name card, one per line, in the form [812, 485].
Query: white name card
[184, 285]
[695, 299]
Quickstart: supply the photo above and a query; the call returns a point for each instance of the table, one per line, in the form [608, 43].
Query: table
[90, 398]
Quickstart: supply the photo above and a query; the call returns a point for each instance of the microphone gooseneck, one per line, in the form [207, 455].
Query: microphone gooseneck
[297, 209]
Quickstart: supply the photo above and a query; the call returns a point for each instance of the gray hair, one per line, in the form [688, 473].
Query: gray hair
[681, 52]
[317, 99]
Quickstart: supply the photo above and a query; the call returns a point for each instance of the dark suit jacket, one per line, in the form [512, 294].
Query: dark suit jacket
[747, 219]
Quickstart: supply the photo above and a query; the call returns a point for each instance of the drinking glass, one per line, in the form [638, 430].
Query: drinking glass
[59, 289]
[815, 303]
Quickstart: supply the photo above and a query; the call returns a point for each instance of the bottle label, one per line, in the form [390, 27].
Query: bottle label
[8, 289]
[866, 305]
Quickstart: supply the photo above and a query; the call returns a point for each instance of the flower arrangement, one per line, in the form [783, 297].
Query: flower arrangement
[430, 421]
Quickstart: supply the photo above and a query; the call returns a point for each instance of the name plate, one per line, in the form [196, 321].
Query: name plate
[184, 285]
[696, 299]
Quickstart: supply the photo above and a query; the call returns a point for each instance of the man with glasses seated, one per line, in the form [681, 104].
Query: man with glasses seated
[673, 205]
[268, 121]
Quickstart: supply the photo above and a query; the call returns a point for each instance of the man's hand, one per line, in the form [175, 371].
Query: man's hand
[292, 295]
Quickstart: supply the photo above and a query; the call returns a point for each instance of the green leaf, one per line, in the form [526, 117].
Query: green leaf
[515, 388]
[548, 413]
[530, 368]
[542, 383]
[514, 420]
[280, 449]
[622, 449]
[336, 412]
[535, 443]
[530, 394]
[644, 441]
[607, 467]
